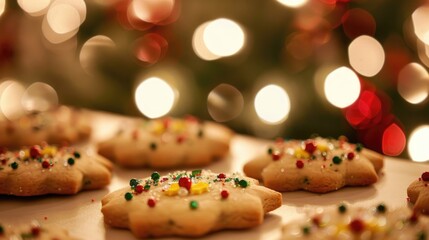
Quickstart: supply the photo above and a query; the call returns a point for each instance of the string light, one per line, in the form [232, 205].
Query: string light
[272, 104]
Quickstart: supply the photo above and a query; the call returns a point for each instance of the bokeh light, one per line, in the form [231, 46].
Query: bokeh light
[393, 140]
[272, 104]
[199, 46]
[152, 11]
[365, 111]
[10, 99]
[366, 55]
[357, 22]
[225, 102]
[94, 51]
[223, 37]
[342, 87]
[154, 97]
[418, 144]
[293, 3]
[2, 6]
[420, 18]
[39, 97]
[34, 8]
[63, 18]
[150, 48]
[413, 83]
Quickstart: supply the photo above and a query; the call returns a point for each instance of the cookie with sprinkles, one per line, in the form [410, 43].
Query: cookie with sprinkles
[189, 203]
[418, 193]
[57, 126]
[357, 222]
[49, 169]
[317, 165]
[167, 143]
[33, 230]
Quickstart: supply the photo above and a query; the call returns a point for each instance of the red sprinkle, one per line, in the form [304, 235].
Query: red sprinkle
[425, 176]
[310, 147]
[221, 176]
[350, 155]
[151, 202]
[35, 231]
[316, 220]
[180, 139]
[276, 156]
[299, 164]
[45, 164]
[35, 151]
[185, 182]
[139, 188]
[224, 194]
[357, 225]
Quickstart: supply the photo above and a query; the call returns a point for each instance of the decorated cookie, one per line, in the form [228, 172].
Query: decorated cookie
[190, 204]
[348, 222]
[167, 143]
[58, 126]
[48, 169]
[418, 193]
[317, 165]
[33, 231]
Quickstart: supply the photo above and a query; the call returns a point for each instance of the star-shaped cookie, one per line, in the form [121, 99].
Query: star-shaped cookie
[48, 169]
[418, 193]
[189, 203]
[167, 143]
[317, 165]
[33, 231]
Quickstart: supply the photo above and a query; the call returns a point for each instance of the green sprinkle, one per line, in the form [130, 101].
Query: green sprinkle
[133, 182]
[381, 208]
[193, 204]
[243, 183]
[76, 154]
[196, 172]
[146, 187]
[155, 176]
[128, 196]
[14, 165]
[70, 161]
[306, 230]
[153, 146]
[421, 235]
[337, 160]
[270, 151]
[200, 133]
[342, 208]
[359, 147]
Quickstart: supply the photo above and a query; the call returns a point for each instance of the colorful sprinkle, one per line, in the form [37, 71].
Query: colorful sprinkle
[276, 156]
[14, 165]
[139, 188]
[359, 147]
[133, 182]
[35, 231]
[350, 155]
[185, 182]
[153, 146]
[155, 176]
[76, 154]
[381, 208]
[342, 208]
[45, 164]
[243, 183]
[306, 230]
[224, 194]
[357, 225]
[180, 139]
[193, 204]
[146, 187]
[70, 161]
[299, 164]
[151, 202]
[221, 176]
[270, 151]
[128, 196]
[196, 172]
[310, 147]
[337, 160]
[425, 176]
[35, 152]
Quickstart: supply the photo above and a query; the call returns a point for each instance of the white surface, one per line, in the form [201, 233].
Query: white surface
[80, 214]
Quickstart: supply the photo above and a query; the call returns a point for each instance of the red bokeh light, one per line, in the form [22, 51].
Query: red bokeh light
[393, 140]
[150, 48]
[357, 22]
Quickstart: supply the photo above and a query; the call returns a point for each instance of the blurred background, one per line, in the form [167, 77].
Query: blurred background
[285, 68]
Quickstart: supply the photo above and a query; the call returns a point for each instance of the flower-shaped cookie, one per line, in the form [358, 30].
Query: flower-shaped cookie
[418, 193]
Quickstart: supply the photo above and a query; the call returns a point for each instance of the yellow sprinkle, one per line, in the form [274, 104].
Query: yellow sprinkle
[158, 128]
[322, 148]
[172, 190]
[178, 126]
[26, 153]
[300, 153]
[199, 188]
[49, 150]
[340, 228]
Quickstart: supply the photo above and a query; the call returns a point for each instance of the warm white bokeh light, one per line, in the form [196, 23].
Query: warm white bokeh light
[199, 46]
[154, 97]
[34, 8]
[225, 102]
[223, 37]
[2, 6]
[413, 83]
[272, 104]
[420, 18]
[94, 50]
[342, 87]
[152, 11]
[293, 3]
[10, 100]
[63, 18]
[418, 144]
[366, 55]
[39, 97]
